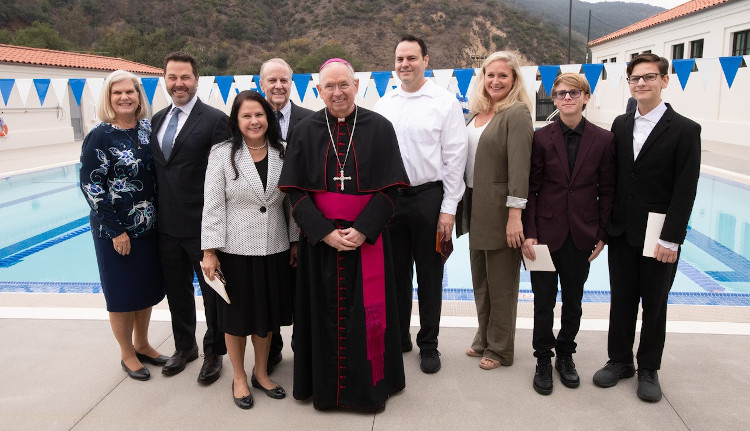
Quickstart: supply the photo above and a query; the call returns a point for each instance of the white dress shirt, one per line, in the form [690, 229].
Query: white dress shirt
[432, 138]
[286, 112]
[186, 109]
[642, 127]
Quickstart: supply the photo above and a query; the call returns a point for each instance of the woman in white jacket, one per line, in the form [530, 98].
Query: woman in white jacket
[248, 234]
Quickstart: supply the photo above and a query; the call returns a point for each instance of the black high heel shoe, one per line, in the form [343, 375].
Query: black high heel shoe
[276, 393]
[243, 402]
[141, 374]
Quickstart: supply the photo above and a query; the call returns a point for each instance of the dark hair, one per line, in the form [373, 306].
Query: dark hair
[273, 134]
[184, 57]
[411, 38]
[648, 57]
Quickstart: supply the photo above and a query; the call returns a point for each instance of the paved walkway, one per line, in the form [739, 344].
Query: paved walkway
[59, 368]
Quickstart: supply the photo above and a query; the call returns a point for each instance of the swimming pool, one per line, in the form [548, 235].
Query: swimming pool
[46, 245]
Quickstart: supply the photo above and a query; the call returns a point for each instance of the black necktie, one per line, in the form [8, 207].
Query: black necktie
[279, 115]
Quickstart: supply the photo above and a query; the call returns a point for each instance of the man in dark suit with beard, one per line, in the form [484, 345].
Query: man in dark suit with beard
[658, 164]
[182, 136]
[276, 83]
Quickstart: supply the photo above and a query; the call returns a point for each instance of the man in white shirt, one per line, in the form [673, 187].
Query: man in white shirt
[276, 83]
[433, 141]
[658, 164]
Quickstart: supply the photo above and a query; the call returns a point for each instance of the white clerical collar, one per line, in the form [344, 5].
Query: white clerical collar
[655, 114]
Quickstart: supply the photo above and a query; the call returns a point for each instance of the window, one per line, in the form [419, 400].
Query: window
[648, 51]
[696, 48]
[696, 51]
[678, 52]
[741, 45]
[633, 55]
[613, 60]
[604, 61]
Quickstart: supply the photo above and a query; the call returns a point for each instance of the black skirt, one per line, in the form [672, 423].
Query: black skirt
[132, 282]
[260, 290]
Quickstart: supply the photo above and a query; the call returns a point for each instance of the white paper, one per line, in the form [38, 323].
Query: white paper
[653, 231]
[216, 285]
[543, 261]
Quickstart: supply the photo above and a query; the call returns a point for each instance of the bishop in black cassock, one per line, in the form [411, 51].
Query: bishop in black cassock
[347, 347]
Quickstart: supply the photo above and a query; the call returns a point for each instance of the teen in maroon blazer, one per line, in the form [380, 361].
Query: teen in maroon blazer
[571, 190]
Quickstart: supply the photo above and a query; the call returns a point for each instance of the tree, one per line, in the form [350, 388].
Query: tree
[41, 35]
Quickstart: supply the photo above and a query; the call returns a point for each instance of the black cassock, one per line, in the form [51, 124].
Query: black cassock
[331, 334]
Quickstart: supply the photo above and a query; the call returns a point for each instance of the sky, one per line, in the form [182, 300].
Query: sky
[667, 4]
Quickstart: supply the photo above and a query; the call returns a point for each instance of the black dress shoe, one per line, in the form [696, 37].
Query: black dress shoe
[273, 361]
[160, 360]
[612, 372]
[543, 377]
[243, 402]
[649, 388]
[211, 369]
[430, 362]
[177, 362]
[276, 393]
[407, 346]
[141, 374]
[567, 369]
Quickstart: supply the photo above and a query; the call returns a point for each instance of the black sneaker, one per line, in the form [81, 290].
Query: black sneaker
[612, 373]
[543, 377]
[430, 361]
[648, 385]
[567, 369]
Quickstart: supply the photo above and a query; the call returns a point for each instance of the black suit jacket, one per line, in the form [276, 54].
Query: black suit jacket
[298, 113]
[560, 202]
[663, 178]
[180, 179]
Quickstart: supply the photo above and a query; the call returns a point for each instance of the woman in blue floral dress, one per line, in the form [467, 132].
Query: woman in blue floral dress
[117, 179]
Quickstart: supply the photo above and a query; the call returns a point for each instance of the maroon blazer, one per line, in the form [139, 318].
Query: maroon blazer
[559, 202]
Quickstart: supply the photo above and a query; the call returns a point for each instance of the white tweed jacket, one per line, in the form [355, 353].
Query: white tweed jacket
[239, 217]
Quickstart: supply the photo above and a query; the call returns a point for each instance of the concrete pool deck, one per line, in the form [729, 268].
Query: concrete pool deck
[60, 369]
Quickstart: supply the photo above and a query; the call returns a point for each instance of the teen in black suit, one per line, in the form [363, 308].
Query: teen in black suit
[276, 83]
[180, 172]
[658, 164]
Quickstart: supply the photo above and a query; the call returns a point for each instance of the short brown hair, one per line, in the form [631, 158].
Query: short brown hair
[648, 57]
[184, 57]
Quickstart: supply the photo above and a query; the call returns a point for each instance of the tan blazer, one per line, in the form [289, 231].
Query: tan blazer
[501, 168]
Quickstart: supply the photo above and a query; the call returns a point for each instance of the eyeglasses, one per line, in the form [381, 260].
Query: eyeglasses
[649, 77]
[330, 88]
[560, 95]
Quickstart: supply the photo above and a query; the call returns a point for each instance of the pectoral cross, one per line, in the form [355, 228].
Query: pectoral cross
[341, 178]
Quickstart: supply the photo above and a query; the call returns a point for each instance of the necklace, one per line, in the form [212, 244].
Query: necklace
[341, 176]
[265, 144]
[135, 140]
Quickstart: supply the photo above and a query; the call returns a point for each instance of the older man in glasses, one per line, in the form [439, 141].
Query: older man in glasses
[571, 189]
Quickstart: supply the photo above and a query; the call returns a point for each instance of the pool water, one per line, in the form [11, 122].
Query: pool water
[46, 244]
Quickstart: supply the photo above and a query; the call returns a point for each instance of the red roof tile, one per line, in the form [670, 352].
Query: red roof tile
[684, 9]
[48, 57]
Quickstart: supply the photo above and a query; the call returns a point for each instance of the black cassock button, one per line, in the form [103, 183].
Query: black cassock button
[262, 209]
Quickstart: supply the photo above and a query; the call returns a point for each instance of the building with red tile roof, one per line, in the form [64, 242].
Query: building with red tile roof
[700, 32]
[680, 11]
[48, 57]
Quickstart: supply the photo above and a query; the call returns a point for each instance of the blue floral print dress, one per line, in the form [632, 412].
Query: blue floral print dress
[117, 178]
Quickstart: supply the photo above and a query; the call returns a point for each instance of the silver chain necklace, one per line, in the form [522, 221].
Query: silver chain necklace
[341, 176]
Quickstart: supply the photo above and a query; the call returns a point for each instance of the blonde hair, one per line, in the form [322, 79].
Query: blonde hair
[104, 110]
[480, 99]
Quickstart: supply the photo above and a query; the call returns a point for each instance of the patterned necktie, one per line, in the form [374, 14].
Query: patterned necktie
[168, 140]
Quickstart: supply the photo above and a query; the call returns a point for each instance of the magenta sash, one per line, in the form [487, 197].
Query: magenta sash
[348, 207]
